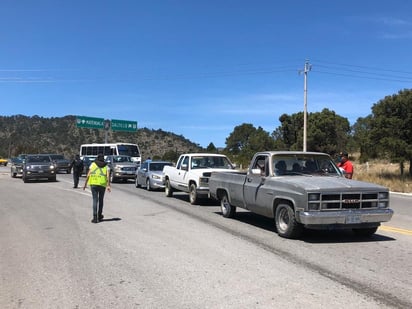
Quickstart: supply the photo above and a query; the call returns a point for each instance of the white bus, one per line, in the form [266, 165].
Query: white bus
[126, 149]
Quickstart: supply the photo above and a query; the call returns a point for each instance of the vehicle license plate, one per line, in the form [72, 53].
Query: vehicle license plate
[353, 218]
[40, 171]
[129, 172]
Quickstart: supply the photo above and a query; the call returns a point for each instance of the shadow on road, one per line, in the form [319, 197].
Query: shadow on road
[110, 219]
[308, 235]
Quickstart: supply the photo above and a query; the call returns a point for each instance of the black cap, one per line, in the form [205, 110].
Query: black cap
[344, 154]
[100, 157]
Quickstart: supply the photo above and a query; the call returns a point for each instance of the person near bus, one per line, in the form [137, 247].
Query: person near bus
[77, 168]
[99, 181]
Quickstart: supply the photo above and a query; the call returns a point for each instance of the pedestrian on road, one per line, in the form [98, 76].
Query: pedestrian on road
[99, 180]
[77, 168]
[346, 165]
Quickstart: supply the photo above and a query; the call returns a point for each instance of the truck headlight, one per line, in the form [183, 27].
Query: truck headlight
[383, 195]
[383, 204]
[313, 197]
[313, 206]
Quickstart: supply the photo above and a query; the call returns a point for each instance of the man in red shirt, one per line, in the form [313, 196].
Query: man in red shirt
[346, 165]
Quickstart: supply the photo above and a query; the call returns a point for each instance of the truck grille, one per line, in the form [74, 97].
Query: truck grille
[349, 201]
[128, 169]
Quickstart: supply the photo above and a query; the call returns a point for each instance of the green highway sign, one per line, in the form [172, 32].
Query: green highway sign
[123, 125]
[89, 122]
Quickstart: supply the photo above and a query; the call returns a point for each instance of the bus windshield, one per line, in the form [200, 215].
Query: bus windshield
[108, 149]
[128, 150]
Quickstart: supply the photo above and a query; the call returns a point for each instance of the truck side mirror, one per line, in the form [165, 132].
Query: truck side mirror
[184, 167]
[256, 171]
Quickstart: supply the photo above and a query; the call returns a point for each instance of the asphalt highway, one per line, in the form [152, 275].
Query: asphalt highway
[151, 251]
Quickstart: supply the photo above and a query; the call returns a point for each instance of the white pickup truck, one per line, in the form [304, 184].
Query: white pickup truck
[191, 174]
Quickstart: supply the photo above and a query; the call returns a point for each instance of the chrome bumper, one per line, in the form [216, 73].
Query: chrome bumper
[347, 217]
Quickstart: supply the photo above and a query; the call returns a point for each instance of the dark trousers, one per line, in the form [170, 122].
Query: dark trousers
[98, 196]
[76, 177]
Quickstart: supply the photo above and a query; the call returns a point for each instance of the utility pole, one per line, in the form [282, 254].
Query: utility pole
[307, 68]
[106, 130]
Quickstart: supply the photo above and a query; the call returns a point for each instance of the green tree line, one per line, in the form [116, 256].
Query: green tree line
[384, 134]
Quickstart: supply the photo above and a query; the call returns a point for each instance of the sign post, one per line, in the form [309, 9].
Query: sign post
[101, 123]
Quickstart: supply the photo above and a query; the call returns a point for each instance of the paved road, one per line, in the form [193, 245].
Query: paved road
[158, 252]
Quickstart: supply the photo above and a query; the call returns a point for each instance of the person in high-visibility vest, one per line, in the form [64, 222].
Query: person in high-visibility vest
[98, 178]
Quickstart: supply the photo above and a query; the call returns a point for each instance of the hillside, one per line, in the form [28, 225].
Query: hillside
[22, 134]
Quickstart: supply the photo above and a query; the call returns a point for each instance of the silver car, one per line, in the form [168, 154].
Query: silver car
[150, 175]
[16, 168]
[121, 167]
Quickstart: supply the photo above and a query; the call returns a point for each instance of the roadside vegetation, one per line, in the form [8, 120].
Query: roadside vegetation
[384, 173]
[380, 144]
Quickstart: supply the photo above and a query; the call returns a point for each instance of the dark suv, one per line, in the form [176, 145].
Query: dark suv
[38, 166]
[62, 164]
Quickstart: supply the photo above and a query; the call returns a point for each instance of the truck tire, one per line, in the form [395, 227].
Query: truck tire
[193, 194]
[366, 232]
[228, 211]
[286, 223]
[168, 188]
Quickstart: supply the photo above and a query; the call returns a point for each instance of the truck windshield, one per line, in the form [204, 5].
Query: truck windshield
[306, 164]
[210, 162]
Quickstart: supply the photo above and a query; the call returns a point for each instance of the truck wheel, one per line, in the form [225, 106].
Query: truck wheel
[228, 211]
[366, 232]
[168, 188]
[193, 194]
[286, 223]
[148, 188]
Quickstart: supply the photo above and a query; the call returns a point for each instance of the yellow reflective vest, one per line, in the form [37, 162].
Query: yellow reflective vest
[98, 175]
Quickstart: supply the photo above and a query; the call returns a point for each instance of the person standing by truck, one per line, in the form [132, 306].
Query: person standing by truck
[77, 167]
[99, 180]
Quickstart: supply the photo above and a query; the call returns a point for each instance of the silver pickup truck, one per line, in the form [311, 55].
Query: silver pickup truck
[302, 189]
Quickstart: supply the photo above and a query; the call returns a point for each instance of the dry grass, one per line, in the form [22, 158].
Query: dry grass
[384, 173]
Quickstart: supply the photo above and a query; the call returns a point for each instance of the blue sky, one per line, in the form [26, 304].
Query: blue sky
[201, 68]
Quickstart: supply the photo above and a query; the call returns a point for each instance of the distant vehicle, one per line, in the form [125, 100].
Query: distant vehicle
[150, 175]
[16, 168]
[109, 149]
[3, 161]
[62, 164]
[121, 167]
[87, 160]
[38, 166]
[191, 174]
